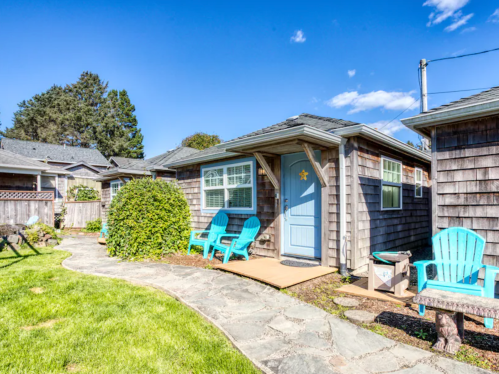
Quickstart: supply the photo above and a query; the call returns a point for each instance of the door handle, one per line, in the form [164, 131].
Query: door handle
[286, 208]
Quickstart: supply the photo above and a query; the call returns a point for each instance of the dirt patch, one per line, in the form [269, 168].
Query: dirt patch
[403, 323]
[197, 260]
[37, 290]
[73, 368]
[47, 324]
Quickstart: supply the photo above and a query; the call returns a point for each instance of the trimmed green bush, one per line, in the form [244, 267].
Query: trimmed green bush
[81, 192]
[147, 219]
[93, 226]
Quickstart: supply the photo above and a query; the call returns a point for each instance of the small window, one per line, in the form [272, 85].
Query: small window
[229, 187]
[391, 184]
[418, 179]
[115, 187]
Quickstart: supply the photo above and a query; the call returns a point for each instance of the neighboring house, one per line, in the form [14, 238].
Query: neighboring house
[124, 169]
[322, 188]
[465, 165]
[20, 173]
[83, 164]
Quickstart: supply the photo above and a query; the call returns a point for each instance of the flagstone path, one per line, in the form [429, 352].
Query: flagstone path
[278, 333]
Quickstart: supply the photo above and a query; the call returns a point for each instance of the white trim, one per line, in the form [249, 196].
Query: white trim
[383, 182]
[343, 209]
[373, 134]
[282, 135]
[83, 163]
[452, 114]
[226, 187]
[416, 182]
[64, 162]
[20, 171]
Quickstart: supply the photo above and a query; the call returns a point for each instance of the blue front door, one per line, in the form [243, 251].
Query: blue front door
[301, 206]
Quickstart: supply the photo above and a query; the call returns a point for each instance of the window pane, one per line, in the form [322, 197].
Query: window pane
[391, 197]
[240, 197]
[214, 178]
[392, 171]
[214, 199]
[419, 190]
[239, 175]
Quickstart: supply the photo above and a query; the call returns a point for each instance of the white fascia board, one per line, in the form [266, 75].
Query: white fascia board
[8, 166]
[118, 172]
[202, 159]
[68, 162]
[377, 136]
[452, 115]
[13, 170]
[283, 135]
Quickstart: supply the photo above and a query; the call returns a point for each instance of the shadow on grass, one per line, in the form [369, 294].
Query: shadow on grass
[419, 327]
[18, 255]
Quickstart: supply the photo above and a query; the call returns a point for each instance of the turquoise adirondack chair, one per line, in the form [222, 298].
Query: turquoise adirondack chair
[32, 220]
[103, 231]
[458, 256]
[218, 226]
[241, 241]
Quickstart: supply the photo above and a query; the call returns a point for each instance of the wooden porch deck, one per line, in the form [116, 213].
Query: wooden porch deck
[271, 271]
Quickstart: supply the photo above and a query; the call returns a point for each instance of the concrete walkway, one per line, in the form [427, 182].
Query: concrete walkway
[277, 332]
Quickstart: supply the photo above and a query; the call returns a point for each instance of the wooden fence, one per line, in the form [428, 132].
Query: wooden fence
[79, 212]
[19, 206]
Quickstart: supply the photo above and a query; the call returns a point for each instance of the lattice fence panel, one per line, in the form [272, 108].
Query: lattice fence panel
[26, 195]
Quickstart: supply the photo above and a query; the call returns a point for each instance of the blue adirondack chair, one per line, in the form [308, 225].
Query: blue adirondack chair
[103, 231]
[32, 220]
[218, 226]
[241, 241]
[458, 256]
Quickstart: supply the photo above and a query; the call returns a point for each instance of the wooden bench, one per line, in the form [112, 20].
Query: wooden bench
[450, 308]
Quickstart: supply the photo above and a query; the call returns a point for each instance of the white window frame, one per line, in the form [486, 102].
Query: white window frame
[383, 182]
[225, 186]
[119, 183]
[56, 192]
[418, 182]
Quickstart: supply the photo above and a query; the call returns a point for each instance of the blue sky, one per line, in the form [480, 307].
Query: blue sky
[234, 67]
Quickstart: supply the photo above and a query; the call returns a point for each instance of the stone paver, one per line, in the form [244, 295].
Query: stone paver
[360, 316]
[278, 333]
[347, 302]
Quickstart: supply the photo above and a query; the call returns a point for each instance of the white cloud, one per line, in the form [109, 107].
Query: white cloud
[351, 73]
[443, 9]
[459, 21]
[468, 29]
[298, 37]
[387, 127]
[494, 17]
[371, 100]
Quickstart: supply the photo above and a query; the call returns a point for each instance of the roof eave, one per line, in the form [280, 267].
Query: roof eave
[283, 135]
[379, 137]
[202, 159]
[105, 175]
[421, 121]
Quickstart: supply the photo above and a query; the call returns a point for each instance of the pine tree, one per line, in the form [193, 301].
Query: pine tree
[201, 141]
[81, 114]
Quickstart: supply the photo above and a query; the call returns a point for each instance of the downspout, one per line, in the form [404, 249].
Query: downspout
[343, 210]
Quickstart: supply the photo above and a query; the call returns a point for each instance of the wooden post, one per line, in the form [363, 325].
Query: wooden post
[38, 182]
[315, 164]
[354, 204]
[434, 182]
[325, 211]
[277, 209]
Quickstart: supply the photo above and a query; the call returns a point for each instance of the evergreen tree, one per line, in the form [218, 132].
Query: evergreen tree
[81, 114]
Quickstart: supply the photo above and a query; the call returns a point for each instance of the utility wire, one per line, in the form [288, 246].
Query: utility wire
[470, 89]
[466, 55]
[398, 115]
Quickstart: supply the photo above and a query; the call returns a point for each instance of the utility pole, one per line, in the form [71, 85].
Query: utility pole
[424, 87]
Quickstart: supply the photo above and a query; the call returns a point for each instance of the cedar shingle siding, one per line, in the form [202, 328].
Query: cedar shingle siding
[468, 180]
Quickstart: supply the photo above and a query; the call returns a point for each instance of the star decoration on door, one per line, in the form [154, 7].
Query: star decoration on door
[303, 175]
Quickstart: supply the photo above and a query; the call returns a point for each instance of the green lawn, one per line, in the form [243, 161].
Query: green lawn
[53, 320]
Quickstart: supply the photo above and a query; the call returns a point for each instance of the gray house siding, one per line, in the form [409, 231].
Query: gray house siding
[467, 162]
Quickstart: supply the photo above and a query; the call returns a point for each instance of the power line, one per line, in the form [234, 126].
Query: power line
[470, 89]
[398, 115]
[466, 55]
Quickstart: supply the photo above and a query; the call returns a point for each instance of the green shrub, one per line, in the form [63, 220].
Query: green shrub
[93, 226]
[81, 192]
[147, 219]
[36, 232]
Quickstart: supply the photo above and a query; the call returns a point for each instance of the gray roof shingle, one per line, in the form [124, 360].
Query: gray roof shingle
[479, 98]
[54, 152]
[154, 162]
[321, 123]
[10, 159]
